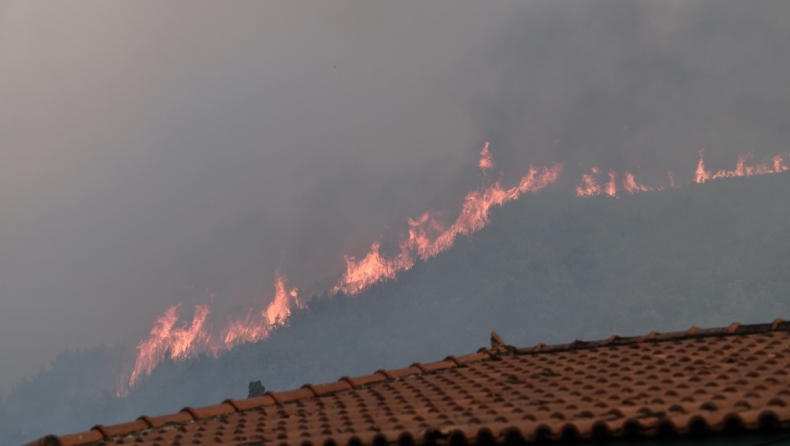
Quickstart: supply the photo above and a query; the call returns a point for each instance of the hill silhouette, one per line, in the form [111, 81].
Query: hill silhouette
[549, 268]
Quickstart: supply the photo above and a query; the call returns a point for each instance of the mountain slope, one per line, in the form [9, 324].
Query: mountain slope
[549, 268]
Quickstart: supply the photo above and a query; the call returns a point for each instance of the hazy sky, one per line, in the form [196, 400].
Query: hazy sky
[150, 151]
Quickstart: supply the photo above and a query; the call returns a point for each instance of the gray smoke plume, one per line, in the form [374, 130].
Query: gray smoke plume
[158, 153]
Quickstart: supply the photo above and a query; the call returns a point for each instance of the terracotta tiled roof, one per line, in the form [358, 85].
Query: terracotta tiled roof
[716, 380]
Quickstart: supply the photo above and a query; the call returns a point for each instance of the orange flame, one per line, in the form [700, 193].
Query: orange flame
[779, 164]
[165, 338]
[427, 238]
[253, 328]
[632, 187]
[185, 341]
[279, 309]
[701, 175]
[741, 169]
[589, 186]
[486, 163]
[474, 213]
[611, 188]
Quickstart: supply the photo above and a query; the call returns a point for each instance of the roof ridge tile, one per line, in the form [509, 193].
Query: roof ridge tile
[705, 413]
[364, 380]
[290, 395]
[330, 387]
[454, 360]
[400, 373]
[419, 366]
[90, 436]
[252, 403]
[174, 418]
[437, 365]
[210, 411]
[472, 357]
[116, 430]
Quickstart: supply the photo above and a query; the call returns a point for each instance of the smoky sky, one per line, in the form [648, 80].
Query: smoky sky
[182, 152]
[639, 87]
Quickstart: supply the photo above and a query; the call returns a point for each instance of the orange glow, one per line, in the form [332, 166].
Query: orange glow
[777, 165]
[279, 309]
[611, 187]
[255, 327]
[428, 238]
[474, 213]
[589, 186]
[177, 339]
[486, 163]
[371, 269]
[167, 340]
[632, 187]
[701, 175]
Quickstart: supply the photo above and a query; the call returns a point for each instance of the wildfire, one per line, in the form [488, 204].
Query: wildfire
[632, 187]
[741, 169]
[589, 186]
[254, 327]
[167, 339]
[611, 187]
[701, 175]
[486, 163]
[428, 238]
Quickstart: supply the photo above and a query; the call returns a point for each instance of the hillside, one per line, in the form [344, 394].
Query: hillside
[549, 268]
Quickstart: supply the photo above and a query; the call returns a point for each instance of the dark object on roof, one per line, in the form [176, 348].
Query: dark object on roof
[255, 389]
[701, 381]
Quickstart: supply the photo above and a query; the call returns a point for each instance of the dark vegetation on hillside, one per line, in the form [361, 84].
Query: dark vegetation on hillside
[550, 268]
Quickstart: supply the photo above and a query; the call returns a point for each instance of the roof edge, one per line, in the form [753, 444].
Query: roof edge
[101, 433]
[734, 329]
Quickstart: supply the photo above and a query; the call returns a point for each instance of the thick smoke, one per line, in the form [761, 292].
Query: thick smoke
[160, 153]
[638, 87]
[153, 154]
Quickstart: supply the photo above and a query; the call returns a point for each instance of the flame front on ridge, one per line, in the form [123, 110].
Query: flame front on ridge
[167, 339]
[589, 185]
[426, 238]
[741, 169]
[486, 163]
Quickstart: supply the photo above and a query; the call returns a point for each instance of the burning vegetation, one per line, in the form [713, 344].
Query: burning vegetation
[590, 186]
[660, 259]
[777, 165]
[427, 236]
